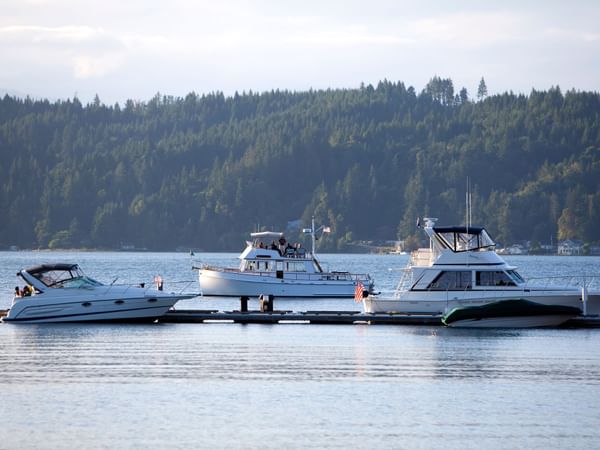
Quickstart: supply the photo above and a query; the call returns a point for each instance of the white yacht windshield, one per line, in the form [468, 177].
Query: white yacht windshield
[462, 239]
[62, 276]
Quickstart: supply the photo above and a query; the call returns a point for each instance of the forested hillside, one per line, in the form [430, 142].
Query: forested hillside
[203, 171]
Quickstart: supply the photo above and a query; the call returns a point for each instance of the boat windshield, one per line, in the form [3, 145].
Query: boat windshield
[72, 277]
[462, 239]
[515, 276]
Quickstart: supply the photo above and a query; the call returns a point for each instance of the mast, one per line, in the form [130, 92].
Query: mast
[468, 205]
[312, 235]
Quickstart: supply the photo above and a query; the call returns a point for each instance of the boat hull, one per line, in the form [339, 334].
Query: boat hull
[513, 322]
[216, 283]
[36, 310]
[428, 302]
[512, 313]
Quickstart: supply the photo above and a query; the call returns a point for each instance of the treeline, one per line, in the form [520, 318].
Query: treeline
[205, 170]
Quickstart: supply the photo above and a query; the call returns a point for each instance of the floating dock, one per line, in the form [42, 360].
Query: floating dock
[313, 317]
[323, 318]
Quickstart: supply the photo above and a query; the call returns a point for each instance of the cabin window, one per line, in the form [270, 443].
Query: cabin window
[295, 266]
[451, 281]
[262, 266]
[494, 278]
[515, 276]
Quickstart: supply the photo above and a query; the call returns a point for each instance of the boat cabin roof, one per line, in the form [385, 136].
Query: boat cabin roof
[56, 275]
[462, 238]
[459, 229]
[266, 234]
[42, 268]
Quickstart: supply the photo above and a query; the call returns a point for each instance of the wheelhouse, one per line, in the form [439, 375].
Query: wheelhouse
[270, 252]
[460, 280]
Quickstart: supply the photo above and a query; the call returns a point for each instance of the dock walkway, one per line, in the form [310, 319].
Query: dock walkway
[314, 317]
[323, 317]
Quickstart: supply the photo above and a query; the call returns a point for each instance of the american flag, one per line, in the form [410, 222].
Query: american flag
[358, 291]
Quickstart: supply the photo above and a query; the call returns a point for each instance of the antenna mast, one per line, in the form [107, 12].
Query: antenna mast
[468, 201]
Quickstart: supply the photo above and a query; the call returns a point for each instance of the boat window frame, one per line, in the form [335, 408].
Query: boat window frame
[72, 278]
[460, 286]
[503, 281]
[460, 241]
[516, 276]
[295, 266]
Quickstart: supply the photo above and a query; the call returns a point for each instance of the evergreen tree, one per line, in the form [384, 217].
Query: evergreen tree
[482, 91]
[203, 170]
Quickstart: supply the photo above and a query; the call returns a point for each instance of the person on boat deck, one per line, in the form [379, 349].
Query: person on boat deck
[274, 246]
[282, 243]
[27, 291]
[17, 291]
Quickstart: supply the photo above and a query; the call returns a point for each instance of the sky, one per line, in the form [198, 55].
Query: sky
[134, 49]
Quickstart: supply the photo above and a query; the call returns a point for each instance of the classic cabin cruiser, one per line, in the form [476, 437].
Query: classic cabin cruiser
[461, 268]
[63, 293]
[269, 265]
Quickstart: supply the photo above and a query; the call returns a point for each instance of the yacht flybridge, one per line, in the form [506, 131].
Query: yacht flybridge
[461, 269]
[271, 265]
[63, 293]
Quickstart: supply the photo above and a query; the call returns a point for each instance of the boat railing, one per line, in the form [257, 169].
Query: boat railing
[590, 282]
[558, 283]
[217, 269]
[406, 281]
[317, 276]
[183, 287]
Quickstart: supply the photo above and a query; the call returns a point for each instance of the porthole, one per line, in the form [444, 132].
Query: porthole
[119, 302]
[152, 300]
[86, 304]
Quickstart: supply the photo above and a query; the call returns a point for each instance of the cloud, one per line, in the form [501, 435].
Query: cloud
[90, 52]
[470, 30]
[27, 35]
[346, 37]
[138, 47]
[96, 67]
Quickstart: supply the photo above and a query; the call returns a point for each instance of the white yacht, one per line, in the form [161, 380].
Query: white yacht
[63, 293]
[461, 269]
[270, 265]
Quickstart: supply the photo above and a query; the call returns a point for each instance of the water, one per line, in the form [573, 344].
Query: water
[292, 386]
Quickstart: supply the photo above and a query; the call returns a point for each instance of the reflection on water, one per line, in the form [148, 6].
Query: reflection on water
[298, 385]
[295, 386]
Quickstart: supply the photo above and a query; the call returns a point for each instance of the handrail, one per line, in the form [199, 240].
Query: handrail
[575, 282]
[572, 281]
[332, 276]
[150, 287]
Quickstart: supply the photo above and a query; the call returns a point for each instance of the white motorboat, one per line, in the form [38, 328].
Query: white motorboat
[460, 269]
[270, 265]
[63, 293]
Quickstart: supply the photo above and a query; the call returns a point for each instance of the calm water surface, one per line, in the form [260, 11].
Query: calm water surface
[292, 386]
